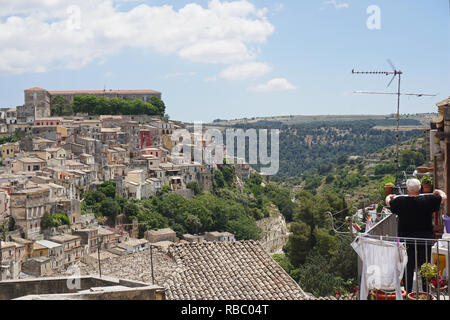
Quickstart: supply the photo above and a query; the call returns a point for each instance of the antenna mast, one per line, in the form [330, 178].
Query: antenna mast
[394, 73]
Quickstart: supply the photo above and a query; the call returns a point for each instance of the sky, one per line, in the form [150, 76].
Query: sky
[231, 59]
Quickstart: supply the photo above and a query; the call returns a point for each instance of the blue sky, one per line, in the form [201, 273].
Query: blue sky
[230, 59]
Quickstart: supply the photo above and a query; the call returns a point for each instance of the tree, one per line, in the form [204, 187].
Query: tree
[194, 187]
[314, 276]
[130, 209]
[109, 208]
[298, 245]
[159, 104]
[218, 179]
[108, 188]
[193, 224]
[11, 224]
[46, 221]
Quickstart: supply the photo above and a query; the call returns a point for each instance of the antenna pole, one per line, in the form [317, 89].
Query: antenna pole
[397, 167]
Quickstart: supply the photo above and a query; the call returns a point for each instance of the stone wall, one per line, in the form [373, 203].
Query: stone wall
[57, 288]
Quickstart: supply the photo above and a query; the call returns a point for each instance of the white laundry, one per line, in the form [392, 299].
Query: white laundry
[383, 265]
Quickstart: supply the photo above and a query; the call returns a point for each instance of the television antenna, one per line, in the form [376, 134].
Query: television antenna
[395, 72]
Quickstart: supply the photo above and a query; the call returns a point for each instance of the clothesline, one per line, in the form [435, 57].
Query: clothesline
[407, 240]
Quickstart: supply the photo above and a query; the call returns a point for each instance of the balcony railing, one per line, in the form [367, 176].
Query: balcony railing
[434, 251]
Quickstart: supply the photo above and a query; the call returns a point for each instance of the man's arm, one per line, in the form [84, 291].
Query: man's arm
[389, 198]
[441, 193]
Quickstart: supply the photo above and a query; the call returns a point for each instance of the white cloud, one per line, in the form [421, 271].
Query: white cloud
[38, 36]
[274, 85]
[336, 4]
[245, 71]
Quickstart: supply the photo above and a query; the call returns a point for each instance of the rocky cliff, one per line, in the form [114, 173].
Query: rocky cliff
[274, 231]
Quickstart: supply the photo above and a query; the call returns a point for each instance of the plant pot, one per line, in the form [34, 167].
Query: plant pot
[382, 295]
[422, 296]
[422, 169]
[427, 188]
[388, 189]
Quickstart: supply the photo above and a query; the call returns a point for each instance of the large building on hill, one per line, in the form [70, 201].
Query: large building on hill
[38, 101]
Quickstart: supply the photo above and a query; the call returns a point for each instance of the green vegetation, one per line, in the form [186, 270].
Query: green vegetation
[227, 208]
[54, 220]
[60, 107]
[94, 105]
[16, 136]
[318, 145]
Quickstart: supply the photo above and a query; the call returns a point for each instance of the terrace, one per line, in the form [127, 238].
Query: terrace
[386, 230]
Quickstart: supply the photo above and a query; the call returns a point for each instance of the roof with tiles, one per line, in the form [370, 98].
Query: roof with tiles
[239, 270]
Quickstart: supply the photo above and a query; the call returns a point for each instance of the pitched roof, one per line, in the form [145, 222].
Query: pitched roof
[229, 270]
[208, 270]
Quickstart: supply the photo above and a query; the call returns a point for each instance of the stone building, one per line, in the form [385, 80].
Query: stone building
[27, 208]
[54, 251]
[438, 155]
[73, 249]
[219, 236]
[166, 234]
[4, 205]
[37, 104]
[89, 238]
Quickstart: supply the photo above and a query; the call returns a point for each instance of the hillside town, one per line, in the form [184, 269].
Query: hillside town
[57, 159]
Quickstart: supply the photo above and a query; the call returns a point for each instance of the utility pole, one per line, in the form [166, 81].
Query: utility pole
[98, 253]
[151, 262]
[1, 260]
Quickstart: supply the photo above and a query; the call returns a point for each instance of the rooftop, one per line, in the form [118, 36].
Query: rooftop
[64, 238]
[161, 231]
[48, 244]
[209, 270]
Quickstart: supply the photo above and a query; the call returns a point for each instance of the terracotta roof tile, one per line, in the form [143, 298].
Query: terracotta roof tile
[208, 270]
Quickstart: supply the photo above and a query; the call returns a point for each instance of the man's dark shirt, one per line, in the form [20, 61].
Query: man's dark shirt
[415, 214]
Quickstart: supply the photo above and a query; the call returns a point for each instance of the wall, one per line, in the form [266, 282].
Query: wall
[11, 289]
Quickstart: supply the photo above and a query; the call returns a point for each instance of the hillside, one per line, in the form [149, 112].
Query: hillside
[423, 118]
[309, 146]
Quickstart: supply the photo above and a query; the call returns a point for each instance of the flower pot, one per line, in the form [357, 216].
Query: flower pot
[422, 169]
[422, 296]
[382, 295]
[388, 189]
[427, 188]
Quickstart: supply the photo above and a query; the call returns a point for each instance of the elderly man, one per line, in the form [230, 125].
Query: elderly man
[415, 220]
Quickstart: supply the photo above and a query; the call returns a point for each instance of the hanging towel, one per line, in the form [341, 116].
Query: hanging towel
[383, 265]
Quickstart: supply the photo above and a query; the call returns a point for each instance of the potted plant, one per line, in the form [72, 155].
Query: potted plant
[383, 295]
[389, 182]
[443, 284]
[427, 184]
[428, 272]
[388, 188]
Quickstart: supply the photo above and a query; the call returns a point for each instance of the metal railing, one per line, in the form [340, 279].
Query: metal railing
[420, 251]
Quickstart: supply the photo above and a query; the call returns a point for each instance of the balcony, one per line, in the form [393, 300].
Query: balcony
[386, 229]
